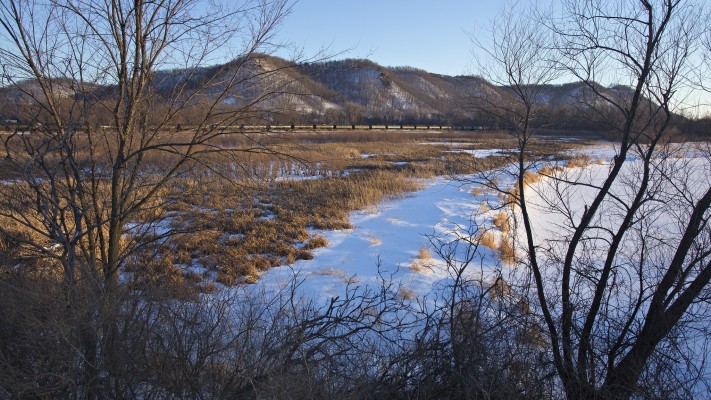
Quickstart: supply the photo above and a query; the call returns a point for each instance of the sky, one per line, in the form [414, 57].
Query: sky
[433, 36]
[429, 35]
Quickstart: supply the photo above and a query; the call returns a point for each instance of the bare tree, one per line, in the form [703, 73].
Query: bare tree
[94, 83]
[99, 88]
[520, 60]
[479, 338]
[613, 291]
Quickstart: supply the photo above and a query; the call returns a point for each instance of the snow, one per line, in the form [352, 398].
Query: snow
[159, 228]
[327, 105]
[400, 96]
[387, 239]
[300, 172]
[447, 143]
[556, 207]
[299, 178]
[481, 153]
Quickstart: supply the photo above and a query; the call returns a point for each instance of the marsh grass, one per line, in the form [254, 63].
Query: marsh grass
[374, 241]
[501, 221]
[507, 252]
[579, 161]
[488, 239]
[406, 294]
[424, 253]
[242, 211]
[416, 267]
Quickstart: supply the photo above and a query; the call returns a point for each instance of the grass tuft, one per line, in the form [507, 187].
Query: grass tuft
[423, 253]
[488, 239]
[501, 221]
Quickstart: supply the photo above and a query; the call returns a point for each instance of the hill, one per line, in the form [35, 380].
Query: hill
[352, 91]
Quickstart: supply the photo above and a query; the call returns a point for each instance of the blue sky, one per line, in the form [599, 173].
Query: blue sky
[423, 34]
[433, 36]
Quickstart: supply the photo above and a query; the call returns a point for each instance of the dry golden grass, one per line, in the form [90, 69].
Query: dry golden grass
[488, 239]
[351, 280]
[304, 255]
[501, 221]
[530, 177]
[209, 287]
[507, 253]
[239, 219]
[500, 288]
[477, 191]
[510, 198]
[424, 253]
[251, 279]
[330, 271]
[325, 203]
[374, 241]
[421, 266]
[406, 294]
[183, 257]
[316, 242]
[579, 161]
[550, 170]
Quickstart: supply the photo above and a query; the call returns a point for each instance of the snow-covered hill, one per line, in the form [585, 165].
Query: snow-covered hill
[335, 92]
